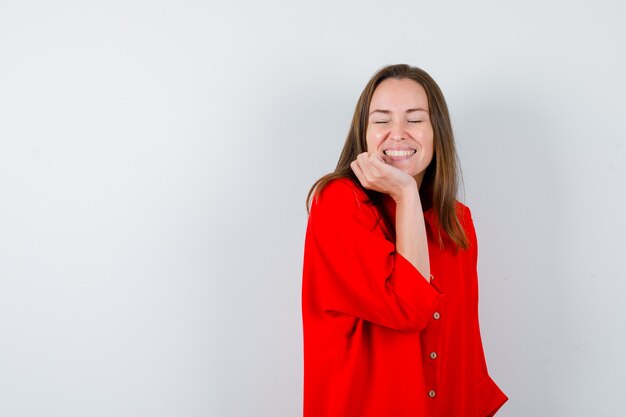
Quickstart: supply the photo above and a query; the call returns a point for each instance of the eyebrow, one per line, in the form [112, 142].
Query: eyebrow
[389, 111]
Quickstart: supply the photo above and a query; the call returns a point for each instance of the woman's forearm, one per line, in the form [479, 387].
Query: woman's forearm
[411, 241]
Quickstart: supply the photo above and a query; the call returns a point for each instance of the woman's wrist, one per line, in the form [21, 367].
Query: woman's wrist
[407, 194]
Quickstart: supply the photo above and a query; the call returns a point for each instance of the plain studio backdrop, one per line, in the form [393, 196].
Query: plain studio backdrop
[155, 158]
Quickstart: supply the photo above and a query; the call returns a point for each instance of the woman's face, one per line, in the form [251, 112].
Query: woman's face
[399, 126]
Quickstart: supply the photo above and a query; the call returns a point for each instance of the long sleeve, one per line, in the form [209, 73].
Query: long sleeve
[355, 270]
[490, 396]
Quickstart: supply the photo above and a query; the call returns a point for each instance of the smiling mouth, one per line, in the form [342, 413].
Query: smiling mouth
[394, 153]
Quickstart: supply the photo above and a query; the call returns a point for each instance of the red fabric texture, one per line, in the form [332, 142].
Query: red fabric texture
[379, 340]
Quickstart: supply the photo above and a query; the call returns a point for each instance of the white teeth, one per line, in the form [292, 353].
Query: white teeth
[396, 153]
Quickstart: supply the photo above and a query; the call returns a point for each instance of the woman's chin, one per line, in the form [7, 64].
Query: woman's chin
[405, 166]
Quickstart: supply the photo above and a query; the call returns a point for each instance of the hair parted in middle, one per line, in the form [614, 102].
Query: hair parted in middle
[441, 179]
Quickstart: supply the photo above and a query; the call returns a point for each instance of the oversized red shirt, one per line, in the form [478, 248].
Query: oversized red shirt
[379, 340]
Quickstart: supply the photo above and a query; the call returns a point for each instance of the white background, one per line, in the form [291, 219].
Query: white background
[155, 158]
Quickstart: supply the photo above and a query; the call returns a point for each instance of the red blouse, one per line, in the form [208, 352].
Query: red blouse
[379, 340]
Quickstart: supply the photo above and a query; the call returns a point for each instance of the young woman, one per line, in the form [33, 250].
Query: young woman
[390, 289]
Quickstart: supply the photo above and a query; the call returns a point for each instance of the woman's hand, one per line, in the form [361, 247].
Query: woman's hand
[375, 174]
[411, 241]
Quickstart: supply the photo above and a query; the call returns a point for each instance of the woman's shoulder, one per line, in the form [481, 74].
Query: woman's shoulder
[342, 198]
[342, 183]
[467, 222]
[463, 211]
[340, 191]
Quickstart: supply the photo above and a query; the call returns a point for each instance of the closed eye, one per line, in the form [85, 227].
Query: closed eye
[415, 121]
[381, 121]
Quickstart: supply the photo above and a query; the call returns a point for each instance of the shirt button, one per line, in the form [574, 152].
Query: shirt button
[433, 355]
[432, 393]
[436, 315]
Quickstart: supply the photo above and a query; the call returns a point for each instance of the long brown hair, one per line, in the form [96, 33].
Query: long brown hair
[440, 183]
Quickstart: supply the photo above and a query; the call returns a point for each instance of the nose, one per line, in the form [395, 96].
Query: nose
[397, 131]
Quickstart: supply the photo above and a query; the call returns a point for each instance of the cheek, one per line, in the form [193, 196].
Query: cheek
[368, 142]
[428, 145]
[373, 140]
[430, 150]
[428, 141]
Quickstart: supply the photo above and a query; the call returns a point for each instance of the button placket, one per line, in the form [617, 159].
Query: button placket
[431, 349]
